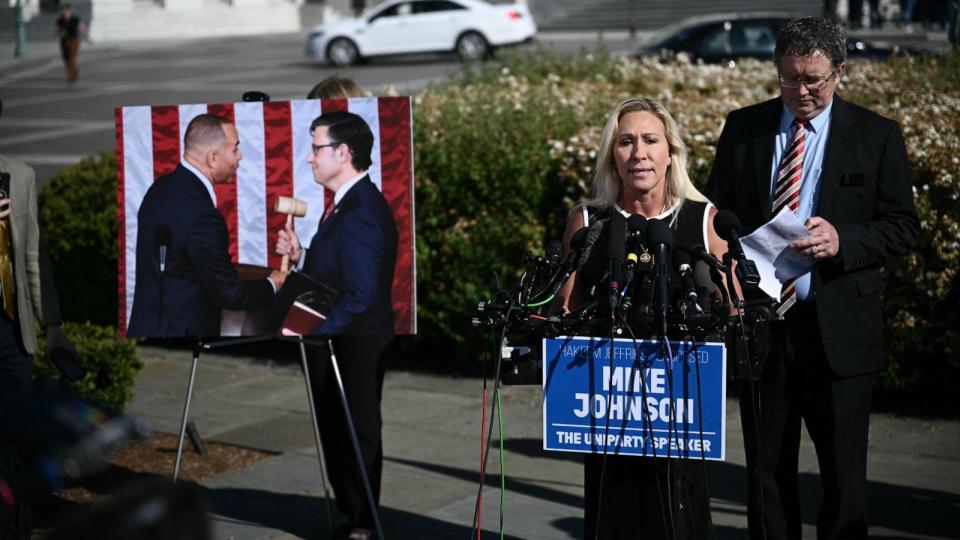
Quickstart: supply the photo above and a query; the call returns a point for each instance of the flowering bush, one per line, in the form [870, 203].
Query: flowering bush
[507, 149]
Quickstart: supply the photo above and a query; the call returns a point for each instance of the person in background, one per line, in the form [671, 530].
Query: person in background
[24, 280]
[354, 251]
[358, 7]
[70, 29]
[843, 171]
[335, 87]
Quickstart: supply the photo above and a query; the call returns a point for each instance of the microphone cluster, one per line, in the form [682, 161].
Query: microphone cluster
[642, 272]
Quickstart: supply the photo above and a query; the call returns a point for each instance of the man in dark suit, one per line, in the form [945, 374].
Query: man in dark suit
[354, 251]
[854, 193]
[197, 280]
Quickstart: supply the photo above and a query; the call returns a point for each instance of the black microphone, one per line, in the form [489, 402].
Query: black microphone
[660, 237]
[685, 268]
[701, 254]
[577, 243]
[727, 226]
[546, 267]
[163, 241]
[637, 225]
[569, 265]
[702, 279]
[616, 249]
[589, 241]
[552, 253]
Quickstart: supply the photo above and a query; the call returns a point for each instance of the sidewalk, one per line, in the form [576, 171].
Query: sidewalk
[431, 446]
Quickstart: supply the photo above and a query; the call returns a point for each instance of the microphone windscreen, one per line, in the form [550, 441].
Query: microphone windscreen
[163, 235]
[590, 240]
[701, 278]
[724, 222]
[617, 237]
[658, 232]
[682, 257]
[576, 241]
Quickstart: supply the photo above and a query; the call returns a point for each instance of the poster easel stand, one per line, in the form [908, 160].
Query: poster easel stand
[211, 345]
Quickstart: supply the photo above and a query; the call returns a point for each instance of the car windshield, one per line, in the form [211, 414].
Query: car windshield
[670, 36]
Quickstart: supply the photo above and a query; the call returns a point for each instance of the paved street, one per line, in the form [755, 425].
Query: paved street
[431, 446]
[49, 123]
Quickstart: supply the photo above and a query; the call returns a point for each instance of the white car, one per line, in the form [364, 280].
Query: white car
[471, 28]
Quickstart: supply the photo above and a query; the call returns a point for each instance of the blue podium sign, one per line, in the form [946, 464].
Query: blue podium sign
[640, 398]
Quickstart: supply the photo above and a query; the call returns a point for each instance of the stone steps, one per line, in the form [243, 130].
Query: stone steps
[144, 20]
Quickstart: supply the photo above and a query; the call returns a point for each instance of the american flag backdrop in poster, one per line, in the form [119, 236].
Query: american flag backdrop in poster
[275, 142]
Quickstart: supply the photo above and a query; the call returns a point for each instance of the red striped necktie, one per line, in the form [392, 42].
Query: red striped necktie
[787, 195]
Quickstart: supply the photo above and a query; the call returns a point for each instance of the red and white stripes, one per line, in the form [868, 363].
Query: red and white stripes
[275, 142]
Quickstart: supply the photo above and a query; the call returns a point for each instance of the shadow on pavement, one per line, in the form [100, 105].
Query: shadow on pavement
[914, 511]
[305, 516]
[513, 484]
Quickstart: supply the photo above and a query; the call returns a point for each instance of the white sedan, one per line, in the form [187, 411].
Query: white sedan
[471, 28]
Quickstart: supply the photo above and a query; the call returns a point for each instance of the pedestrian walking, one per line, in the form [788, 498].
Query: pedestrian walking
[70, 28]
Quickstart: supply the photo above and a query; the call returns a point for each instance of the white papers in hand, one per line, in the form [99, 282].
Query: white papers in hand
[769, 248]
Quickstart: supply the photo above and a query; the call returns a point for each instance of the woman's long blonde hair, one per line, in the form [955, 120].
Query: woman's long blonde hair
[607, 184]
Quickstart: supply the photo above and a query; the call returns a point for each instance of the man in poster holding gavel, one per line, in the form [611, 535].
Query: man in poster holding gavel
[354, 251]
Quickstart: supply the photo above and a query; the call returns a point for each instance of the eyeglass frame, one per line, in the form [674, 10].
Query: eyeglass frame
[812, 86]
[317, 147]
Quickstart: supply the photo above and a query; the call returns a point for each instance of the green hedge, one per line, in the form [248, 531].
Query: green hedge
[111, 363]
[78, 221]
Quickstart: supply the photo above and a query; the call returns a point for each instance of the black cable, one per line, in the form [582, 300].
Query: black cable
[606, 427]
[671, 425]
[646, 413]
[493, 410]
[703, 456]
[754, 406]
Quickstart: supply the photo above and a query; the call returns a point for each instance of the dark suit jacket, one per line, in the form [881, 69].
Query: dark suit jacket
[354, 251]
[865, 193]
[199, 279]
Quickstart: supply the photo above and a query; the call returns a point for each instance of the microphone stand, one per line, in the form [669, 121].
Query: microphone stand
[737, 303]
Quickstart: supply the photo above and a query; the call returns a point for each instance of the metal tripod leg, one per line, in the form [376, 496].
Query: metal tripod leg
[356, 443]
[316, 430]
[186, 411]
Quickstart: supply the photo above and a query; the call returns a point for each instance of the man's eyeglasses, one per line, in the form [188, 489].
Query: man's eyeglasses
[812, 83]
[316, 147]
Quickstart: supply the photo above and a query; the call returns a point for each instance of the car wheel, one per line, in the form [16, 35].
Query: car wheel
[342, 52]
[471, 47]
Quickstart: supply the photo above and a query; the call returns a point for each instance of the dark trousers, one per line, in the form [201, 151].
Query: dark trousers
[16, 366]
[69, 49]
[636, 498]
[797, 383]
[16, 371]
[362, 360]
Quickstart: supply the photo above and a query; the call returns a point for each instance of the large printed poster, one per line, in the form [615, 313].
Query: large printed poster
[275, 142]
[639, 398]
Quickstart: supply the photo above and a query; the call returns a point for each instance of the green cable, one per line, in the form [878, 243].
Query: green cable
[542, 302]
[503, 481]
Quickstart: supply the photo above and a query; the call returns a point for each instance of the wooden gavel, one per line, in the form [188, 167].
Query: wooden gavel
[291, 207]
